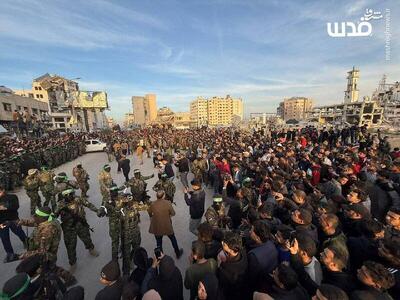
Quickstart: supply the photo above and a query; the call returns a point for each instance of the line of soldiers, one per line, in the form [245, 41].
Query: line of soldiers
[14, 168]
[122, 210]
[52, 186]
[59, 192]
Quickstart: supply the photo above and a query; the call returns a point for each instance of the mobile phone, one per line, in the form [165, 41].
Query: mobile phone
[158, 253]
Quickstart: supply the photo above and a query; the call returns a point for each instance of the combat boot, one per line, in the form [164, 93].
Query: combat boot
[93, 252]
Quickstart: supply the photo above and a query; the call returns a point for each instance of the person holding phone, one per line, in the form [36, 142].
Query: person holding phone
[167, 280]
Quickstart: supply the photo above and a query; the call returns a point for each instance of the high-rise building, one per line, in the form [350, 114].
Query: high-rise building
[216, 111]
[295, 108]
[144, 109]
[351, 93]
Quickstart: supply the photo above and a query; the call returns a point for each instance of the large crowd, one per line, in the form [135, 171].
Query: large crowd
[296, 214]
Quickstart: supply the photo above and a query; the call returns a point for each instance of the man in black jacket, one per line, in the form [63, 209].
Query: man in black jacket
[168, 169]
[124, 164]
[195, 200]
[8, 215]
[335, 260]
[233, 268]
[183, 167]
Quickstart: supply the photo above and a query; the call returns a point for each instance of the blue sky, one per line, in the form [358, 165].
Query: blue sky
[261, 51]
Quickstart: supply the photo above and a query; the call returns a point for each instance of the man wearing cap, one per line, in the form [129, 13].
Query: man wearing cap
[74, 224]
[138, 186]
[195, 200]
[167, 186]
[31, 184]
[82, 177]
[110, 276]
[105, 181]
[47, 186]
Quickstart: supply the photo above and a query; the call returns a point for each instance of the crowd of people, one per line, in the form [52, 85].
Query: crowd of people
[296, 214]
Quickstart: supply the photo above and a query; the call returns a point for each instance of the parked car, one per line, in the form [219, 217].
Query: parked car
[95, 145]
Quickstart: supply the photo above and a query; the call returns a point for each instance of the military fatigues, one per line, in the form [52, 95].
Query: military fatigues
[31, 184]
[130, 231]
[138, 188]
[105, 181]
[167, 186]
[114, 224]
[10, 172]
[45, 240]
[47, 187]
[82, 177]
[250, 195]
[216, 219]
[198, 167]
[74, 224]
[63, 186]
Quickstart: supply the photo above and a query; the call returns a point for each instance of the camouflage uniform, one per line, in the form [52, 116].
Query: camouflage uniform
[31, 184]
[48, 158]
[4, 177]
[114, 224]
[250, 195]
[74, 224]
[167, 186]
[13, 169]
[130, 230]
[216, 219]
[198, 167]
[47, 187]
[82, 177]
[138, 187]
[105, 181]
[62, 186]
[45, 240]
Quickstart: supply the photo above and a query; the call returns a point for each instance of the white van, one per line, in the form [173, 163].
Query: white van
[95, 145]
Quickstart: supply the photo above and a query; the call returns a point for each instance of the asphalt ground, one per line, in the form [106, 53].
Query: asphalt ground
[88, 267]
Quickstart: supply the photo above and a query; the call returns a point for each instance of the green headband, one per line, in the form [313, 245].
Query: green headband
[218, 199]
[40, 213]
[22, 289]
[106, 167]
[67, 192]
